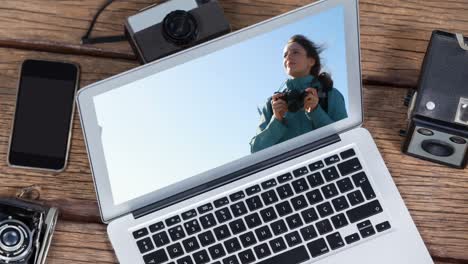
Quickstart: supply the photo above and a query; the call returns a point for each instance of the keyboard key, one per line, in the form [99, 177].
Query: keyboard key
[367, 231]
[262, 251]
[237, 226]
[277, 244]
[329, 190]
[232, 245]
[332, 159]
[349, 166]
[324, 227]
[355, 197]
[189, 214]
[190, 244]
[263, 233]
[309, 215]
[314, 197]
[253, 190]
[364, 211]
[283, 208]
[236, 196]
[308, 233]
[301, 171]
[344, 185]
[248, 239]
[299, 202]
[363, 224]
[330, 174]
[339, 221]
[340, 203]
[192, 227]
[293, 239]
[239, 209]
[222, 232]
[294, 221]
[352, 238]
[185, 260]
[221, 202]
[161, 239]
[268, 184]
[318, 247]
[335, 241]
[140, 233]
[201, 257]
[315, 179]
[300, 185]
[156, 257]
[223, 215]
[253, 220]
[173, 220]
[347, 154]
[175, 250]
[156, 227]
[254, 203]
[279, 227]
[246, 256]
[325, 209]
[206, 238]
[383, 226]
[205, 208]
[176, 233]
[284, 178]
[316, 165]
[231, 260]
[269, 197]
[294, 256]
[285, 191]
[217, 251]
[360, 180]
[145, 245]
[268, 214]
[207, 221]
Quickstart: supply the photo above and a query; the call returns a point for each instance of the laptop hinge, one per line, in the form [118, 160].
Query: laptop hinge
[236, 176]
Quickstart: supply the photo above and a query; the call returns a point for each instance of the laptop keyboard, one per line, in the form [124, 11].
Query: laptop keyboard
[304, 214]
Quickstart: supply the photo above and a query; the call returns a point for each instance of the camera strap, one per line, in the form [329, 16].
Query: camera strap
[86, 39]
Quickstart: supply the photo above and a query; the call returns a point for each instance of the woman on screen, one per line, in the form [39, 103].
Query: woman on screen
[308, 102]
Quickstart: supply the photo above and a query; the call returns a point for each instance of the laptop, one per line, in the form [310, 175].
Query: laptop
[242, 150]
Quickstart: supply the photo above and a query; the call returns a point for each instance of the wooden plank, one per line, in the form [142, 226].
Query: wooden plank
[436, 196]
[394, 33]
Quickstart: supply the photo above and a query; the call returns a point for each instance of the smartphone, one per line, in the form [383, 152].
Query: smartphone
[45, 103]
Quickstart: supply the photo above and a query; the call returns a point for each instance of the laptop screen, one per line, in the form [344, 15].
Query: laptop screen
[224, 106]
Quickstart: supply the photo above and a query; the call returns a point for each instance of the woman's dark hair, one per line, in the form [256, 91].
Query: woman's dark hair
[313, 51]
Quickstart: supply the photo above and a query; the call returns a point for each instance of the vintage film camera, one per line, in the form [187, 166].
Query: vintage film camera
[174, 25]
[438, 110]
[25, 231]
[166, 28]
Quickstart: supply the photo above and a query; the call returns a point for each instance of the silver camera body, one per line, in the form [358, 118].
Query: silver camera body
[26, 231]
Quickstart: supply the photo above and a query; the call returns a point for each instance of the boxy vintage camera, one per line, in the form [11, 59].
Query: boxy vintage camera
[25, 231]
[438, 111]
[174, 25]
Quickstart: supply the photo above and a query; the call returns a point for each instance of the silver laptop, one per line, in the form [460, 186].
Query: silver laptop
[241, 150]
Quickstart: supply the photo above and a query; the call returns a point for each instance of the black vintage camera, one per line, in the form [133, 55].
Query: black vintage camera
[438, 110]
[174, 25]
[25, 231]
[294, 98]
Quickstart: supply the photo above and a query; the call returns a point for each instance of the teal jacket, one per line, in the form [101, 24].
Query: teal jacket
[271, 131]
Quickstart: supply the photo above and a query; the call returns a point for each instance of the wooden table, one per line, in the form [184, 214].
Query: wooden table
[394, 36]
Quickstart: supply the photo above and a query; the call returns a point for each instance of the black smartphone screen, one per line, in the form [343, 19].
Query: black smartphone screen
[43, 115]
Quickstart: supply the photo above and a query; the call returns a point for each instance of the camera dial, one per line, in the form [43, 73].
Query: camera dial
[180, 27]
[15, 241]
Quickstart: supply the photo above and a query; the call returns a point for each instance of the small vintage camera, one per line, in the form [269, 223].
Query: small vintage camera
[438, 110]
[25, 231]
[294, 98]
[174, 25]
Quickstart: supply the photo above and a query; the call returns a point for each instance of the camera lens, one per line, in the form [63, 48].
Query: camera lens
[10, 237]
[425, 132]
[180, 27]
